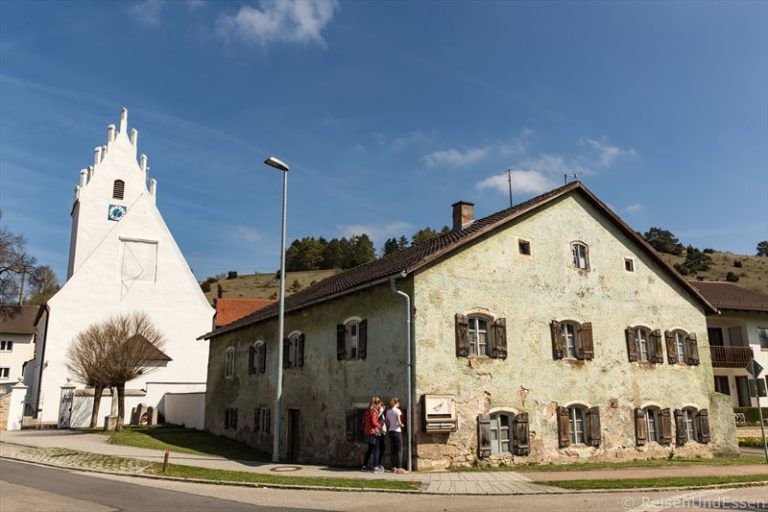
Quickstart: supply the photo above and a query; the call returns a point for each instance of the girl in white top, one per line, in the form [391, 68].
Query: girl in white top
[394, 432]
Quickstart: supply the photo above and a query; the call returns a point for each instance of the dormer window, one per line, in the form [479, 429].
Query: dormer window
[118, 189]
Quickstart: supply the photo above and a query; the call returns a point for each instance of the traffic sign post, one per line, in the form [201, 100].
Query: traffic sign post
[754, 368]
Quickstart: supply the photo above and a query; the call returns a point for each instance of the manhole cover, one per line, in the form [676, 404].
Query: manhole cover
[285, 469]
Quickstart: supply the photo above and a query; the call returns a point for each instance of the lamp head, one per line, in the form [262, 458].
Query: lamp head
[277, 164]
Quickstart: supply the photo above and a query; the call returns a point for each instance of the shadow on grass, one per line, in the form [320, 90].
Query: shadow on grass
[184, 440]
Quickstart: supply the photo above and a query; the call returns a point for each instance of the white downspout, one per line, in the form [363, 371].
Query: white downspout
[408, 364]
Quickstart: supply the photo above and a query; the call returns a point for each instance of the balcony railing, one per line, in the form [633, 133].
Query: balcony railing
[730, 357]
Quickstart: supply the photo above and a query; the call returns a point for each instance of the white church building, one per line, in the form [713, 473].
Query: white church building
[122, 258]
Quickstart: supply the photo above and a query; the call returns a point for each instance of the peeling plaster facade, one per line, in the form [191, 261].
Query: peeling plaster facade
[488, 276]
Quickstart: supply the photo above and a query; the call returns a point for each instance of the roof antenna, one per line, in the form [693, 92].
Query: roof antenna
[509, 180]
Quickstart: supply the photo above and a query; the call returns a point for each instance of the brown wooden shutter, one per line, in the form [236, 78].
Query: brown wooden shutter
[584, 344]
[680, 432]
[669, 336]
[703, 423]
[267, 420]
[483, 435]
[462, 335]
[631, 344]
[520, 429]
[251, 359]
[300, 351]
[234, 414]
[500, 338]
[692, 356]
[665, 437]
[341, 342]
[641, 434]
[263, 358]
[558, 339]
[286, 353]
[593, 426]
[350, 423]
[257, 420]
[658, 352]
[362, 339]
[563, 427]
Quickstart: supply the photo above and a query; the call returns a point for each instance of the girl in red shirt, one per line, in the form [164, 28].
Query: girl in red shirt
[372, 430]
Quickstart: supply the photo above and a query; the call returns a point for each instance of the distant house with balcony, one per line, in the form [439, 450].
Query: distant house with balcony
[736, 335]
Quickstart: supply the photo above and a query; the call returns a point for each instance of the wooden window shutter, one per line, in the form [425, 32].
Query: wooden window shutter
[300, 351]
[257, 419]
[484, 435]
[593, 425]
[286, 353]
[351, 425]
[702, 418]
[641, 428]
[658, 352]
[263, 358]
[558, 339]
[251, 359]
[341, 342]
[234, 414]
[666, 427]
[267, 420]
[226, 419]
[563, 427]
[631, 344]
[522, 444]
[500, 338]
[362, 339]
[692, 357]
[584, 344]
[462, 335]
[669, 336]
[680, 432]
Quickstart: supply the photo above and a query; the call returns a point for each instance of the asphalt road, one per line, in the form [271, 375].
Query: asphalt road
[31, 488]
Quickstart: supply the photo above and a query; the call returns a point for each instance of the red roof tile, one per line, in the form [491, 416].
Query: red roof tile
[229, 310]
[731, 296]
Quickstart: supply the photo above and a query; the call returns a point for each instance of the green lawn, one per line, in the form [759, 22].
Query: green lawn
[184, 440]
[685, 481]
[257, 478]
[738, 460]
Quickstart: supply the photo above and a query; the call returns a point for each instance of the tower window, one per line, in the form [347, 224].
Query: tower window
[118, 189]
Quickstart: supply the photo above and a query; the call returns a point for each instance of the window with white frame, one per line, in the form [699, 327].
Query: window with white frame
[5, 373]
[580, 253]
[478, 336]
[229, 362]
[257, 358]
[643, 336]
[652, 423]
[501, 432]
[680, 337]
[689, 419]
[295, 350]
[6, 346]
[569, 333]
[578, 423]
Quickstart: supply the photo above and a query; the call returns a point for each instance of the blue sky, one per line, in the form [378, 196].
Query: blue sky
[387, 112]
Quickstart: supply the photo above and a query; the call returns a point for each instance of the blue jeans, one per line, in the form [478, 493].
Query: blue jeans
[373, 449]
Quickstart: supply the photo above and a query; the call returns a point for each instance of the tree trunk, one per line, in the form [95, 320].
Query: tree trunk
[97, 391]
[120, 405]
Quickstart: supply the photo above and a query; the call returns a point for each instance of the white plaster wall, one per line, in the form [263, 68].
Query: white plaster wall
[530, 291]
[186, 409]
[23, 350]
[96, 290]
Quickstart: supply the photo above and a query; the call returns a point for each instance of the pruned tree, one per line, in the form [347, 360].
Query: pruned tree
[15, 266]
[43, 284]
[114, 352]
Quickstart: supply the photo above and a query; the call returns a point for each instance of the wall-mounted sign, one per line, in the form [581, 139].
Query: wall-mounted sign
[440, 413]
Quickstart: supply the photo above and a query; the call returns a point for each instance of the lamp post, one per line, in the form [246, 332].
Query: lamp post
[280, 166]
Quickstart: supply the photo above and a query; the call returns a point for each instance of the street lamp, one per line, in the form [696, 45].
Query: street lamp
[280, 166]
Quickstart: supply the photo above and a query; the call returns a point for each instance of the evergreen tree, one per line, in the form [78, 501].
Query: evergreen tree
[663, 241]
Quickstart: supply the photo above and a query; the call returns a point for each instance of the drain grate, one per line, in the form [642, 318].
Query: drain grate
[285, 469]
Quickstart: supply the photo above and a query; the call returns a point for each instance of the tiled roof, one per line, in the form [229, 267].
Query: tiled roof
[731, 296]
[18, 319]
[229, 310]
[413, 258]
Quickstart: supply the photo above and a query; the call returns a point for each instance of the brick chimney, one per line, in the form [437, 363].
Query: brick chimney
[463, 214]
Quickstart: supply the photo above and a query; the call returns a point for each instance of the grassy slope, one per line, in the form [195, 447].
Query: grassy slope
[753, 274]
[265, 286]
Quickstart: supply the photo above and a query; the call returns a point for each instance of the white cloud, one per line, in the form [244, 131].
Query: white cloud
[607, 153]
[195, 4]
[247, 233]
[284, 21]
[376, 233]
[523, 181]
[148, 12]
[633, 208]
[456, 157]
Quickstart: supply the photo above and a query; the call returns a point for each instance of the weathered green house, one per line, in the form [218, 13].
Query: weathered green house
[539, 334]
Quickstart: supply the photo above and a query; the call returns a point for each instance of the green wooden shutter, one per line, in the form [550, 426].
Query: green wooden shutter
[462, 335]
